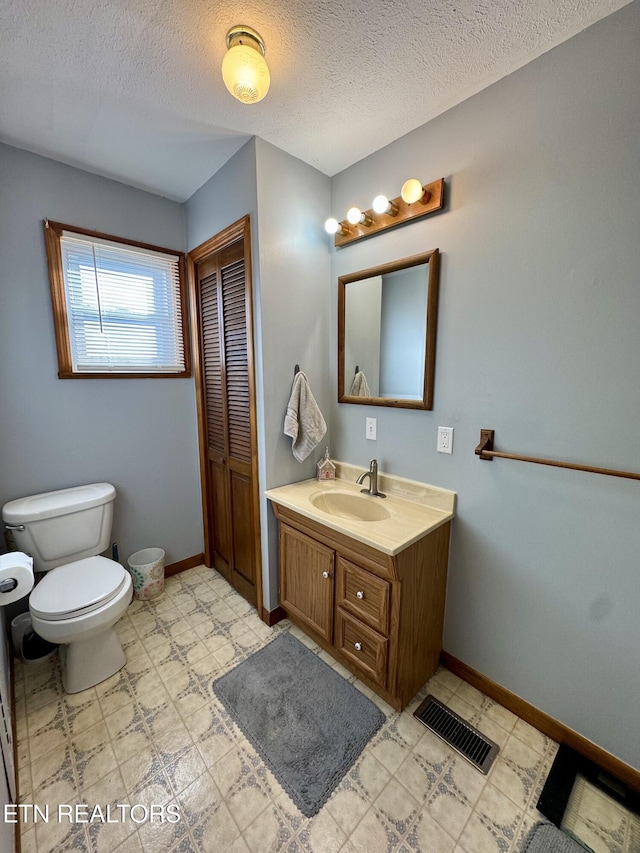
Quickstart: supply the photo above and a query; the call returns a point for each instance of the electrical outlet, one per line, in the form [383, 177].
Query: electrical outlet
[445, 439]
[371, 428]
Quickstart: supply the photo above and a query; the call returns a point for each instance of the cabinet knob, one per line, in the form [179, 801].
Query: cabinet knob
[358, 647]
[360, 594]
[325, 575]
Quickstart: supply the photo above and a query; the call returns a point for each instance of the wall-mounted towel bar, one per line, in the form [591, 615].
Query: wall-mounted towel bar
[486, 452]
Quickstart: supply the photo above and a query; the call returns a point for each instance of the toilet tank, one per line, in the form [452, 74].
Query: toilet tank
[63, 526]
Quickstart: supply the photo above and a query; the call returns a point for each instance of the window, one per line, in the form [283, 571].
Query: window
[119, 306]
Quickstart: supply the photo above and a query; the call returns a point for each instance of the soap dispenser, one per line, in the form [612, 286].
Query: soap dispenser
[326, 468]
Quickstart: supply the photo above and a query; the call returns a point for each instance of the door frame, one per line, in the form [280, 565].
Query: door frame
[239, 230]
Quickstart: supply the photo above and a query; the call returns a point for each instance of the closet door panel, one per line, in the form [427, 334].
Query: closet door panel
[212, 356]
[220, 519]
[234, 307]
[212, 363]
[243, 535]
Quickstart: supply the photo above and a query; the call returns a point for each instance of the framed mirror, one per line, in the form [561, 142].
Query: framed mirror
[387, 333]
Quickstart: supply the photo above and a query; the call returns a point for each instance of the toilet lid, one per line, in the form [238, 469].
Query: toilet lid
[77, 588]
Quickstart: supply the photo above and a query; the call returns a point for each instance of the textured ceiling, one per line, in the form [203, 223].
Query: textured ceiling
[131, 89]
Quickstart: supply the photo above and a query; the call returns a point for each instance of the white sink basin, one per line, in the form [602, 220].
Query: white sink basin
[348, 505]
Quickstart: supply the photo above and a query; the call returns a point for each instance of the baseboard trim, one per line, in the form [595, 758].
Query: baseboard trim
[543, 722]
[183, 565]
[272, 617]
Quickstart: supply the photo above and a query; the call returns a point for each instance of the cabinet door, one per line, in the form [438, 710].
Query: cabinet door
[306, 580]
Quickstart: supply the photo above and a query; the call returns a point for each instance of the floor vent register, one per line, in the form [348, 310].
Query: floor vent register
[454, 731]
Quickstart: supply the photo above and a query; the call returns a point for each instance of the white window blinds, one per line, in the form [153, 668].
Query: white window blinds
[123, 305]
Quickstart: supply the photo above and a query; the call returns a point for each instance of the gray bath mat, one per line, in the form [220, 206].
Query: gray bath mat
[547, 838]
[307, 723]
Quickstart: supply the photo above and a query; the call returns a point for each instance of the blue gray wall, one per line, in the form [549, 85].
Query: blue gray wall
[287, 201]
[295, 322]
[226, 197]
[538, 339]
[138, 434]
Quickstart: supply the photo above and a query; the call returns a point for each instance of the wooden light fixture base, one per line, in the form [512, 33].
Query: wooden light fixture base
[432, 200]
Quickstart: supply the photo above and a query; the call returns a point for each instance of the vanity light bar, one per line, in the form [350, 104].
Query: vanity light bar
[411, 204]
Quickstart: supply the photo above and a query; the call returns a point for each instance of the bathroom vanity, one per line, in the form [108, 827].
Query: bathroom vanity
[365, 577]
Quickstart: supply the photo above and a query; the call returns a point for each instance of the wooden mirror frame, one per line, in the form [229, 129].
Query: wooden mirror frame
[432, 258]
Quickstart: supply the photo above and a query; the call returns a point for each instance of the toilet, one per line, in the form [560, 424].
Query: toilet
[82, 595]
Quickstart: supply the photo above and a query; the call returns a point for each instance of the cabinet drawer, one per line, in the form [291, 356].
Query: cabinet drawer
[364, 595]
[363, 646]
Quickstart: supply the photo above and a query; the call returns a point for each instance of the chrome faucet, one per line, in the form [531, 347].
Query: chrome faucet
[372, 474]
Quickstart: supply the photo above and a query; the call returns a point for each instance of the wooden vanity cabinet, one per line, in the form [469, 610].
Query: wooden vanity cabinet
[380, 616]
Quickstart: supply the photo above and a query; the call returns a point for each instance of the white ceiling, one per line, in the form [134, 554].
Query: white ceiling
[131, 89]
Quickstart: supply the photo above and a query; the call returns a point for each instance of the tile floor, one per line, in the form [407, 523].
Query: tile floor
[156, 734]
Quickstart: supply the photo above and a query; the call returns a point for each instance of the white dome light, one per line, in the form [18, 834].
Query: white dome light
[244, 69]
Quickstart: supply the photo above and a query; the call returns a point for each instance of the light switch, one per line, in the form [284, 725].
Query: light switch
[371, 428]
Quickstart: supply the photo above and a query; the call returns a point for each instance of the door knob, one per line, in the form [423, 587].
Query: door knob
[360, 594]
[358, 647]
[325, 575]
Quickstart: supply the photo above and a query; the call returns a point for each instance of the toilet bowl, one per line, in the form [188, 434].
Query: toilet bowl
[82, 595]
[77, 606]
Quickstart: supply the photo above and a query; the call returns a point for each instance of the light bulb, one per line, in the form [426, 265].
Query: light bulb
[412, 190]
[332, 226]
[381, 204]
[356, 217]
[244, 69]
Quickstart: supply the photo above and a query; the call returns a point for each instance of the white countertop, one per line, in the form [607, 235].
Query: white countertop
[415, 509]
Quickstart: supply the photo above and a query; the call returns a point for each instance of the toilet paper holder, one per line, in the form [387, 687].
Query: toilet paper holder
[16, 576]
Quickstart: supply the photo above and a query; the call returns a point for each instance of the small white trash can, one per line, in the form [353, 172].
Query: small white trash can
[28, 646]
[147, 573]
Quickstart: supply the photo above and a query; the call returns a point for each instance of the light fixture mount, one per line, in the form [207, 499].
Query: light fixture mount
[245, 35]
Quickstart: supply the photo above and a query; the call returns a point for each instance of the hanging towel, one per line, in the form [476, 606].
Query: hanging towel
[303, 422]
[359, 386]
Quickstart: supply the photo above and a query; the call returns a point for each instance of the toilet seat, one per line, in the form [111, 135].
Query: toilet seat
[77, 588]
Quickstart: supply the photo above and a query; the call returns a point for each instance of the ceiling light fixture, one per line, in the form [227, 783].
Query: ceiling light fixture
[244, 69]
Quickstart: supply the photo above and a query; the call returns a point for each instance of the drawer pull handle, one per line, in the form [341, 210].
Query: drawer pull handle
[360, 594]
[358, 647]
[325, 575]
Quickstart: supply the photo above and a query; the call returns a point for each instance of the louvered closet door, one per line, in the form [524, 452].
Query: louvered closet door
[225, 348]
[217, 486]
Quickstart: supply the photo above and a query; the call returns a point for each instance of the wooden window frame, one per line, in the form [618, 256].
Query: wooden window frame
[52, 234]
